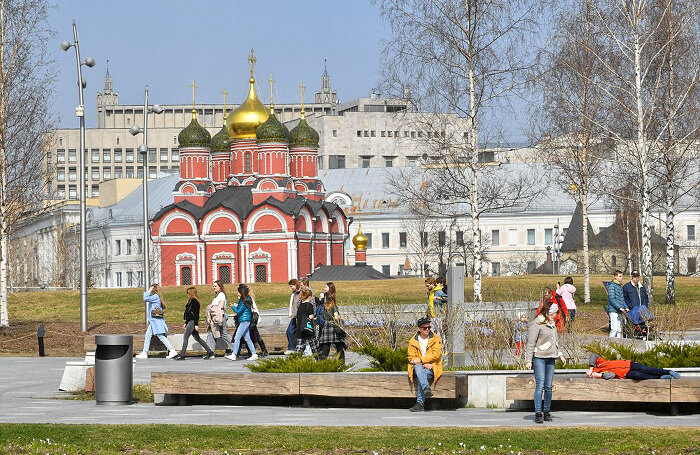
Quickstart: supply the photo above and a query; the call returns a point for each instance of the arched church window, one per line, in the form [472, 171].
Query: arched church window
[261, 273]
[186, 276]
[225, 273]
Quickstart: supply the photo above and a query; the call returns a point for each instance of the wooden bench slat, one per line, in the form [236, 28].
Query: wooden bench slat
[685, 390]
[589, 389]
[376, 385]
[271, 384]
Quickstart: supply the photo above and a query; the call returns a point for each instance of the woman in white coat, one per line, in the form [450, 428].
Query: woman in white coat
[216, 318]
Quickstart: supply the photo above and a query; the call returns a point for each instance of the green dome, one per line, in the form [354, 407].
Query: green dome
[220, 141]
[303, 135]
[272, 131]
[194, 135]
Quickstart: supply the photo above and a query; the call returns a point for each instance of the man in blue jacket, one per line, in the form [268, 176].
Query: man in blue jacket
[616, 304]
[635, 293]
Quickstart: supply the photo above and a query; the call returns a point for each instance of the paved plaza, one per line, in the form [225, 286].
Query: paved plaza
[29, 393]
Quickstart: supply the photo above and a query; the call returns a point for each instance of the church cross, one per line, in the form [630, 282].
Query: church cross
[252, 60]
[194, 87]
[302, 87]
[224, 92]
[272, 90]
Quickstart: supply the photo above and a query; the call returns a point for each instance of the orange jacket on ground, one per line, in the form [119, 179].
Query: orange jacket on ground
[433, 354]
[619, 367]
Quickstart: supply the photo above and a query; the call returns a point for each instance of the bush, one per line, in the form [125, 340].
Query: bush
[298, 363]
[385, 359]
[666, 355]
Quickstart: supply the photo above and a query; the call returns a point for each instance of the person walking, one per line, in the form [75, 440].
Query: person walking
[216, 319]
[305, 323]
[616, 304]
[566, 292]
[329, 318]
[293, 306]
[191, 327]
[254, 332]
[541, 353]
[155, 314]
[243, 309]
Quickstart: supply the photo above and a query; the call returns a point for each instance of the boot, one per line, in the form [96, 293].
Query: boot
[538, 417]
[263, 349]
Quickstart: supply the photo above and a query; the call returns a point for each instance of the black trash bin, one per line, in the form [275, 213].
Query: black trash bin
[114, 374]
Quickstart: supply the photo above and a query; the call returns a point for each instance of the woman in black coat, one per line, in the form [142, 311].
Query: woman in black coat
[191, 317]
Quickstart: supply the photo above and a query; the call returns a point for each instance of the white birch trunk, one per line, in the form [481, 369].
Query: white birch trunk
[670, 251]
[586, 252]
[474, 188]
[629, 244]
[4, 315]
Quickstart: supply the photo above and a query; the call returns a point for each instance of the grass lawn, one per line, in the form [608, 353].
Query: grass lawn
[126, 305]
[175, 439]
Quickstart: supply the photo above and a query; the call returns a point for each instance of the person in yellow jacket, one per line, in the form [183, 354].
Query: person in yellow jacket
[424, 362]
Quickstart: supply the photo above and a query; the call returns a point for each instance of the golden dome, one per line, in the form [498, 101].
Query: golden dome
[360, 240]
[243, 122]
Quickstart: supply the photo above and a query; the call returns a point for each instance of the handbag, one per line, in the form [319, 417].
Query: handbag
[157, 313]
[308, 329]
[254, 318]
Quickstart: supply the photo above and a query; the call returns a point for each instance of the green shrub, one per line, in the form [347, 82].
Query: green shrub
[666, 355]
[384, 358]
[298, 363]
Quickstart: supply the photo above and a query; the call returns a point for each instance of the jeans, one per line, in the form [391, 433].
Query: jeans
[639, 371]
[161, 337]
[423, 378]
[243, 332]
[572, 315]
[615, 325]
[190, 331]
[291, 334]
[544, 373]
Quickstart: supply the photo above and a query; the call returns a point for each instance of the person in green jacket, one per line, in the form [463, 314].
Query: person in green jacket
[616, 304]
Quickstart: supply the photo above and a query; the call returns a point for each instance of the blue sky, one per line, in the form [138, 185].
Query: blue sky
[166, 43]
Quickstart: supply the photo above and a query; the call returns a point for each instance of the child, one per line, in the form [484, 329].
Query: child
[520, 332]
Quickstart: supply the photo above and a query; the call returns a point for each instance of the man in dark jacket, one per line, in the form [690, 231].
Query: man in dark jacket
[635, 293]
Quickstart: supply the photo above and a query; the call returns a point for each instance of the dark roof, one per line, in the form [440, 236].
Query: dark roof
[347, 273]
[573, 240]
[615, 235]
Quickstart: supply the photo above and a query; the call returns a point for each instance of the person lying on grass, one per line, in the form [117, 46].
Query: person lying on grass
[625, 369]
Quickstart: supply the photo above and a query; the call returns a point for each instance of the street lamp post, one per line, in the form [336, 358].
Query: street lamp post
[558, 241]
[143, 151]
[80, 113]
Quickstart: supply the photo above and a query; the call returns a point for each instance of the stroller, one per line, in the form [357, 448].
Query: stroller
[638, 324]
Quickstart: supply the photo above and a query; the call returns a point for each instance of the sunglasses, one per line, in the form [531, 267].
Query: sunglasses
[427, 327]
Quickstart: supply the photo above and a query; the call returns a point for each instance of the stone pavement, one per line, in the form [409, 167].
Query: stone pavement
[29, 392]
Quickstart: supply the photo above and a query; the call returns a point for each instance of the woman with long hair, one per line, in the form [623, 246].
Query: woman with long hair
[156, 322]
[254, 321]
[243, 309]
[215, 316]
[305, 323]
[542, 352]
[191, 317]
[331, 333]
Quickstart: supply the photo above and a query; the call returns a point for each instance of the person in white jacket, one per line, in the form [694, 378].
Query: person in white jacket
[293, 305]
[566, 291]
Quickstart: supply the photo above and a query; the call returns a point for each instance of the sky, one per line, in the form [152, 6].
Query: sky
[165, 44]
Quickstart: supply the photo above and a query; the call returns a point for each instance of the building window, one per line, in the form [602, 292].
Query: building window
[336, 162]
[225, 273]
[128, 246]
[71, 155]
[175, 154]
[319, 161]
[139, 172]
[424, 239]
[118, 172]
[119, 279]
[61, 174]
[548, 238]
[117, 156]
[164, 155]
[60, 156]
[335, 133]
[106, 173]
[460, 238]
[389, 161]
[117, 140]
[530, 236]
[531, 265]
[130, 172]
[359, 133]
[152, 172]
[366, 133]
[61, 191]
[95, 190]
[130, 279]
[383, 134]
[691, 231]
[151, 155]
[261, 273]
[247, 163]
[369, 240]
[512, 237]
[402, 240]
[385, 240]
[692, 265]
[495, 269]
[139, 246]
[413, 134]
[95, 173]
[129, 155]
[411, 161]
[117, 247]
[139, 278]
[386, 269]
[373, 133]
[441, 238]
[95, 155]
[107, 156]
[72, 176]
[365, 161]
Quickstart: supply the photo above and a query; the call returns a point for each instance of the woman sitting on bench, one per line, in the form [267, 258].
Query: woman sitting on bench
[625, 369]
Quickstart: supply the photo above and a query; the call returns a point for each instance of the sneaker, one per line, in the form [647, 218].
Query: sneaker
[253, 357]
[142, 355]
[230, 357]
[171, 354]
[418, 407]
[547, 417]
[538, 417]
[674, 375]
[264, 354]
[428, 392]
[179, 357]
[208, 356]
[665, 376]
[288, 352]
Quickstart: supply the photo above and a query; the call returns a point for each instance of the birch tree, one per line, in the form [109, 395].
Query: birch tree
[25, 91]
[462, 57]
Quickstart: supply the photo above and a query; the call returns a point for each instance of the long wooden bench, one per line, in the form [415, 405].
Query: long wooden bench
[450, 390]
[584, 389]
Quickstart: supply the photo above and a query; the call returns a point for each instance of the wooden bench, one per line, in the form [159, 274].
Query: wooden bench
[577, 388]
[450, 390]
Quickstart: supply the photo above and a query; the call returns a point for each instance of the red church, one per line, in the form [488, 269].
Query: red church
[249, 206]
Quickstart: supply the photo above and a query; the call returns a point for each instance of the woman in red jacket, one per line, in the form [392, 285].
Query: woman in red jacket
[562, 313]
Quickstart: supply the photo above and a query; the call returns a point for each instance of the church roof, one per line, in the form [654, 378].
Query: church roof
[573, 240]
